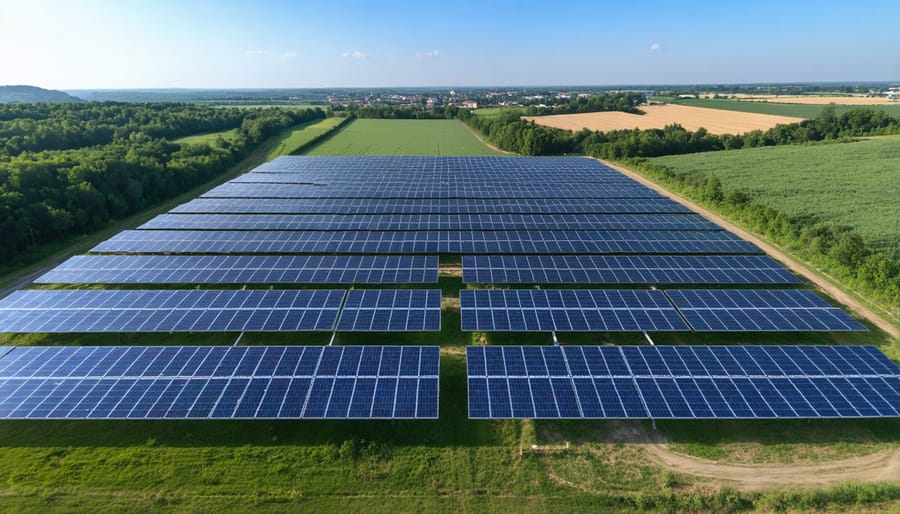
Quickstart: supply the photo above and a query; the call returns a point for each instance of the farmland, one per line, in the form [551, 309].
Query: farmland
[403, 137]
[851, 184]
[295, 137]
[806, 111]
[658, 116]
[206, 138]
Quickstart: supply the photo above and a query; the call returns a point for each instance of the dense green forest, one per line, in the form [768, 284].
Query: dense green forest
[69, 168]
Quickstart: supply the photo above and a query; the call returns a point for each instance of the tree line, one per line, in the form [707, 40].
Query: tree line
[48, 194]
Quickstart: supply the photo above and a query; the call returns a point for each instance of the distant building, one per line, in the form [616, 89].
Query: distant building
[893, 93]
[469, 104]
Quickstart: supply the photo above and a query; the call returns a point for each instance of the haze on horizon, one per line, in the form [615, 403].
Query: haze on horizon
[93, 44]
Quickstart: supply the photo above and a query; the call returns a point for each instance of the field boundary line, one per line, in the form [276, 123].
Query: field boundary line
[788, 261]
[484, 141]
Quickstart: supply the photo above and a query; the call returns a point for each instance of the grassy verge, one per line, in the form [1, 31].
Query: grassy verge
[298, 137]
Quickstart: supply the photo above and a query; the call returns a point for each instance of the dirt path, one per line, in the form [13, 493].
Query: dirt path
[777, 254]
[882, 466]
[484, 142]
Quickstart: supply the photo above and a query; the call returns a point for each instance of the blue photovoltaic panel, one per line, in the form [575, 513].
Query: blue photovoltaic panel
[434, 190]
[429, 242]
[625, 269]
[681, 382]
[169, 311]
[244, 269]
[547, 310]
[760, 310]
[381, 310]
[431, 206]
[211, 382]
[429, 222]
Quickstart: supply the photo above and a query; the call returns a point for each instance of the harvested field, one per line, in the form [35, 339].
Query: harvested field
[716, 121]
[816, 99]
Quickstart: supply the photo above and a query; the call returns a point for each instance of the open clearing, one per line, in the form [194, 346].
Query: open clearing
[403, 137]
[854, 184]
[293, 138]
[715, 121]
[206, 138]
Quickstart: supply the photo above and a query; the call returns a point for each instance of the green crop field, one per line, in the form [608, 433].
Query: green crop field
[403, 137]
[854, 184]
[293, 138]
[780, 109]
[207, 138]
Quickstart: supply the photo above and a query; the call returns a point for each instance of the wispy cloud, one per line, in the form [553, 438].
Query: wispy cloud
[356, 54]
[433, 54]
[287, 56]
[655, 46]
[254, 53]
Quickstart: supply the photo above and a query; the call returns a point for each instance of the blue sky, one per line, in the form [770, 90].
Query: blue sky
[268, 43]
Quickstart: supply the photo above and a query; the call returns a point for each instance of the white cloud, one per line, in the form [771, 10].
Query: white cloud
[254, 53]
[356, 54]
[428, 55]
[287, 56]
[655, 46]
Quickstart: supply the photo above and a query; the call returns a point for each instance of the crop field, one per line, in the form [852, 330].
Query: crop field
[293, 138]
[820, 99]
[207, 138]
[403, 137]
[658, 116]
[851, 184]
[806, 111]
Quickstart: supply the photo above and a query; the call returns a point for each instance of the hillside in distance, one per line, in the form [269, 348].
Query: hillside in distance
[33, 94]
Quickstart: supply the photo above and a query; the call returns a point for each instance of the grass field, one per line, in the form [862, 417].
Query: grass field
[207, 138]
[853, 184]
[779, 109]
[293, 138]
[403, 137]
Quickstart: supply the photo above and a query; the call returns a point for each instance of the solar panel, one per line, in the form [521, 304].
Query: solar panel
[631, 269]
[427, 242]
[682, 382]
[545, 310]
[759, 310]
[169, 311]
[431, 206]
[429, 222]
[244, 269]
[402, 310]
[203, 382]
[508, 190]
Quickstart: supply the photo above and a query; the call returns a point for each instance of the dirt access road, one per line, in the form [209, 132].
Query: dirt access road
[782, 257]
[882, 466]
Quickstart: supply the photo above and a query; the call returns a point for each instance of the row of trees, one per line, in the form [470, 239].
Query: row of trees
[49, 126]
[50, 194]
[625, 102]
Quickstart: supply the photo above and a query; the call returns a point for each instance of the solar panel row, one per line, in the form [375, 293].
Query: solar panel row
[429, 222]
[44, 311]
[600, 382]
[621, 310]
[567, 310]
[408, 242]
[430, 206]
[219, 382]
[244, 269]
[636, 269]
[528, 190]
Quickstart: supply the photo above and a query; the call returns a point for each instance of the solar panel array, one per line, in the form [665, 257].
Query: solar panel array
[429, 222]
[636, 269]
[425, 242]
[378, 310]
[431, 206]
[685, 382]
[244, 269]
[759, 310]
[220, 382]
[567, 310]
[44, 311]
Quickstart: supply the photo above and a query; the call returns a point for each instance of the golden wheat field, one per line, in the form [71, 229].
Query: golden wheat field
[814, 100]
[716, 121]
